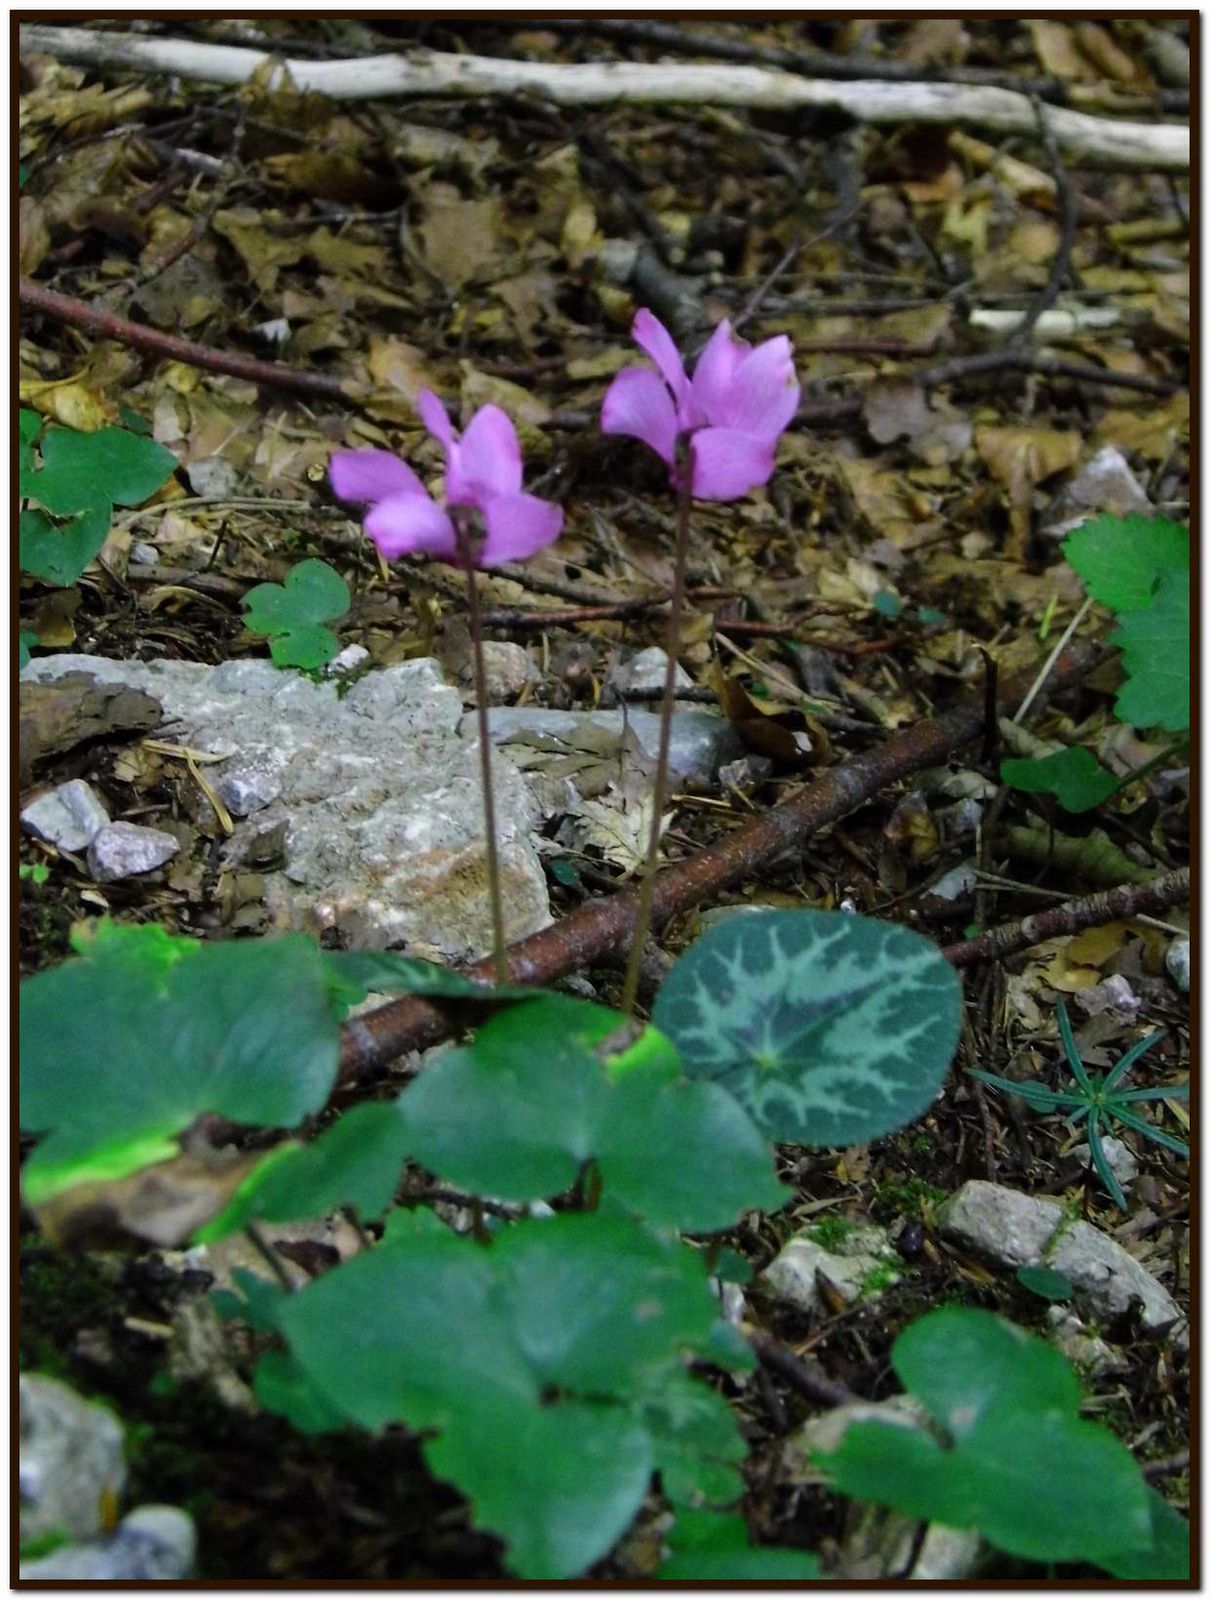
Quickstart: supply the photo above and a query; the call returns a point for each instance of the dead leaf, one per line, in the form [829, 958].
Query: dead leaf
[55, 717]
[1020, 459]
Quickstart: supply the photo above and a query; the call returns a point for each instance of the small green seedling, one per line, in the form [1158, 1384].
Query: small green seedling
[1098, 1098]
[292, 615]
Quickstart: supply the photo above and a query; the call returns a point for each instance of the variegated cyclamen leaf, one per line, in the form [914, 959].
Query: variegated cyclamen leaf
[829, 1029]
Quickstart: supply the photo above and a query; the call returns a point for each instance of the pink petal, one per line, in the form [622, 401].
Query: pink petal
[727, 463]
[716, 367]
[650, 334]
[433, 415]
[365, 475]
[637, 403]
[517, 526]
[763, 396]
[489, 457]
[411, 524]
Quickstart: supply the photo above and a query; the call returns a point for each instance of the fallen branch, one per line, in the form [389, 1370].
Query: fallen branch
[1093, 911]
[109, 325]
[602, 926]
[1091, 141]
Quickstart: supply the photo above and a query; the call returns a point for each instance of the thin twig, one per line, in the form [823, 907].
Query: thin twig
[807, 1377]
[1054, 655]
[1069, 211]
[1111, 905]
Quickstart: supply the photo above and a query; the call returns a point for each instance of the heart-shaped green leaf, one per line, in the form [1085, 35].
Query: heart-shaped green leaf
[1155, 651]
[292, 614]
[111, 467]
[59, 554]
[1024, 1467]
[827, 1029]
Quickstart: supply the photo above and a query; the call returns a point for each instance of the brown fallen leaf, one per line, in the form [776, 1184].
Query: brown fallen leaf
[54, 717]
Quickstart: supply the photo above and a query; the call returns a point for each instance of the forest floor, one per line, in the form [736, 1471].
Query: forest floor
[495, 249]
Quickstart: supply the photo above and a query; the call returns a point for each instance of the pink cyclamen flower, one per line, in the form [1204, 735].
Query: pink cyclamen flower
[736, 407]
[482, 474]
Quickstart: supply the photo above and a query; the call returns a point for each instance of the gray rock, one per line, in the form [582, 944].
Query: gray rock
[377, 793]
[153, 1544]
[878, 1542]
[507, 667]
[1177, 961]
[351, 659]
[1015, 1230]
[859, 1265]
[71, 1460]
[70, 816]
[143, 554]
[1082, 1348]
[646, 670]
[1113, 995]
[701, 743]
[745, 772]
[1121, 1158]
[251, 784]
[124, 849]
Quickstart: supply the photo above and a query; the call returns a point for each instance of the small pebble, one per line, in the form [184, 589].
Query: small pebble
[123, 850]
[70, 816]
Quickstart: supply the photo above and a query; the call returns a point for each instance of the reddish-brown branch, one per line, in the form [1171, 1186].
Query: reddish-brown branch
[1111, 905]
[605, 925]
[109, 325]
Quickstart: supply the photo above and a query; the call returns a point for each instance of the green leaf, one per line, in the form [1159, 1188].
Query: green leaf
[356, 1162]
[519, 1114]
[388, 972]
[828, 1029]
[1074, 776]
[1155, 651]
[143, 1033]
[714, 1548]
[533, 1355]
[29, 426]
[697, 1442]
[1045, 1282]
[26, 641]
[1167, 1559]
[561, 1485]
[58, 555]
[83, 470]
[292, 614]
[1037, 1480]
[1122, 559]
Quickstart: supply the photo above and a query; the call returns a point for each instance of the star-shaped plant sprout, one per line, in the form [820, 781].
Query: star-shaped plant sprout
[1098, 1098]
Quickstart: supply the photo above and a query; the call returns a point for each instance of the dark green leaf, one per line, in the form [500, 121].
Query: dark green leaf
[111, 467]
[533, 1355]
[1167, 1560]
[25, 643]
[1074, 776]
[124, 1047]
[29, 426]
[59, 555]
[1045, 1282]
[388, 972]
[712, 1548]
[1037, 1480]
[828, 1029]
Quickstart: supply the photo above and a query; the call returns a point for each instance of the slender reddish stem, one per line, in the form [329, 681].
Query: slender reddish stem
[642, 924]
[499, 942]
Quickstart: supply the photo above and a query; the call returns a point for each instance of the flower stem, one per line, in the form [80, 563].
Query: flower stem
[642, 920]
[499, 944]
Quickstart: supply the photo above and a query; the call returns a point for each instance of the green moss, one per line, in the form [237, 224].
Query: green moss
[830, 1232]
[44, 1545]
[909, 1197]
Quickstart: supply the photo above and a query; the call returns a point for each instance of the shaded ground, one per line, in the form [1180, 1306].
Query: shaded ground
[463, 245]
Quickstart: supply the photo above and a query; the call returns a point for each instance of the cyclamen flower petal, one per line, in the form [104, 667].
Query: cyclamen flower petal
[411, 524]
[489, 457]
[483, 473]
[738, 403]
[727, 463]
[365, 475]
[637, 403]
[518, 525]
